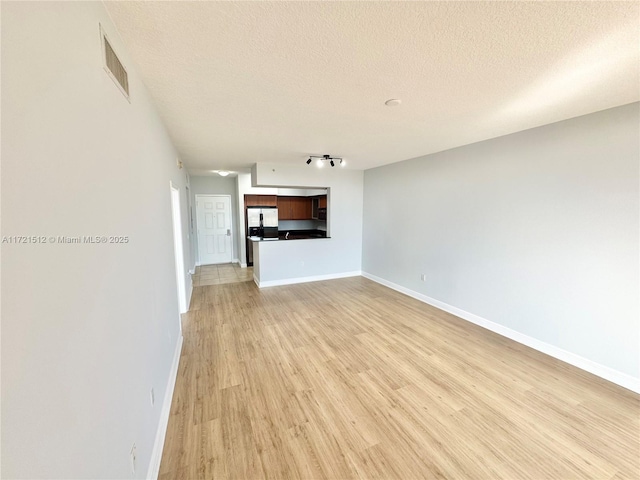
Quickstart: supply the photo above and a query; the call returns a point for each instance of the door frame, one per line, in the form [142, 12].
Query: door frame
[205, 195]
[178, 245]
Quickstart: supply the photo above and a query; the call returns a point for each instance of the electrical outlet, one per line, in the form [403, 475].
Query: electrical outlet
[153, 397]
[423, 277]
[133, 458]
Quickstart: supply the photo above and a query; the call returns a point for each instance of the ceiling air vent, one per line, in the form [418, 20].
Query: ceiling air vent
[113, 66]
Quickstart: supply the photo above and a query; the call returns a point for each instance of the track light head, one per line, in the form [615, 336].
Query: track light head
[332, 164]
[309, 161]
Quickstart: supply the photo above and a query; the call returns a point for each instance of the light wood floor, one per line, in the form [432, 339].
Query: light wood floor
[221, 273]
[348, 379]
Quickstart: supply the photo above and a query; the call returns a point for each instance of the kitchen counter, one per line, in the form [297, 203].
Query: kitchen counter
[301, 234]
[261, 239]
[272, 257]
[293, 235]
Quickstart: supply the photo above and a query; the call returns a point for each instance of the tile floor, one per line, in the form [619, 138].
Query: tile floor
[222, 273]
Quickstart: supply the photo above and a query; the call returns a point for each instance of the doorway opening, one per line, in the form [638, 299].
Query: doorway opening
[178, 247]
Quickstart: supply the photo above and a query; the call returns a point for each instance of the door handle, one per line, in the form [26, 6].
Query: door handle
[228, 232]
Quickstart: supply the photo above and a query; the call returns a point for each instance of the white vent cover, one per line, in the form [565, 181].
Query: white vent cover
[113, 65]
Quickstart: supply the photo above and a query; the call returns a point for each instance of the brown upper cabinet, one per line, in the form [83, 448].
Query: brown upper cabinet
[317, 203]
[260, 201]
[284, 208]
[294, 208]
[301, 208]
[289, 208]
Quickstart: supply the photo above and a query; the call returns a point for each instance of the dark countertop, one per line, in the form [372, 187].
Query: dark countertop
[301, 234]
[260, 239]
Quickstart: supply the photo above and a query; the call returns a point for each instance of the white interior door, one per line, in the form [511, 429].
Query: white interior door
[213, 213]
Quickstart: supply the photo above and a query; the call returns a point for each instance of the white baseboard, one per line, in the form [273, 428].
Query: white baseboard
[313, 278]
[243, 265]
[614, 376]
[156, 454]
[235, 260]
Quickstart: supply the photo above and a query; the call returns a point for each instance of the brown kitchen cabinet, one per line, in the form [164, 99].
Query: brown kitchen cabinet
[251, 200]
[316, 204]
[260, 200]
[267, 200]
[301, 208]
[284, 208]
[294, 208]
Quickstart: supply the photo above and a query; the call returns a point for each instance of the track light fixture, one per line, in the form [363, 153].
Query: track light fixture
[332, 160]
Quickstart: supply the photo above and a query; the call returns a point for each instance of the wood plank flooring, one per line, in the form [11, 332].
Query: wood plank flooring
[348, 379]
[221, 273]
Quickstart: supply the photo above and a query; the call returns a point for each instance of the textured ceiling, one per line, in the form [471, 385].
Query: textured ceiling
[243, 82]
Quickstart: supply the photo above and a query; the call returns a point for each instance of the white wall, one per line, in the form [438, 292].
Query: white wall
[209, 185]
[340, 254]
[537, 231]
[87, 330]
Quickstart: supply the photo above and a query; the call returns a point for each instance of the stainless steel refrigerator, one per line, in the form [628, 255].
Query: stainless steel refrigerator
[261, 222]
